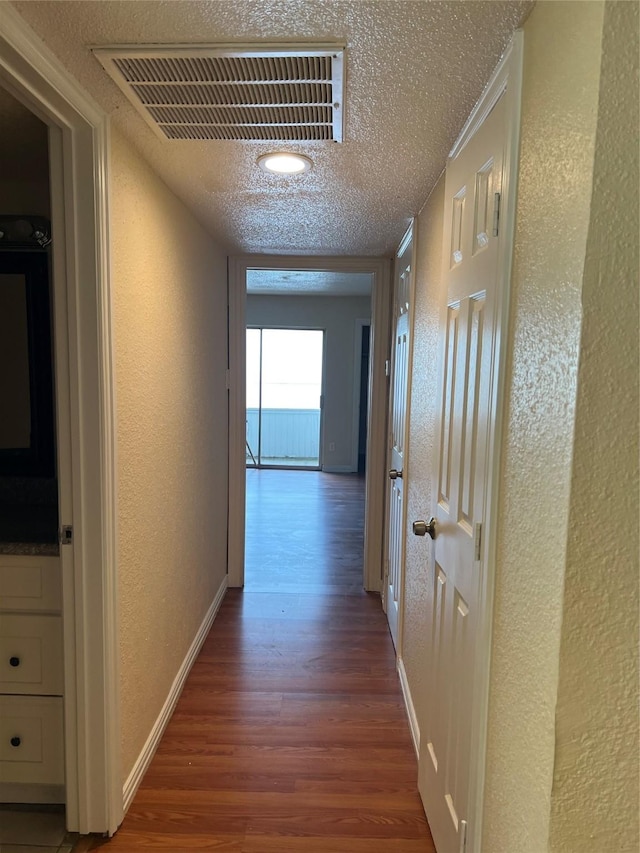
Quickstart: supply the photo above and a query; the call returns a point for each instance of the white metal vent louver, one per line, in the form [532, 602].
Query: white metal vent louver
[273, 93]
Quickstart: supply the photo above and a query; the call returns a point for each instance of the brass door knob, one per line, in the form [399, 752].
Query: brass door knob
[393, 474]
[421, 528]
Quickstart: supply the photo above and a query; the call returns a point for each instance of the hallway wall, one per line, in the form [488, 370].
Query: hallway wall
[169, 293]
[337, 315]
[597, 711]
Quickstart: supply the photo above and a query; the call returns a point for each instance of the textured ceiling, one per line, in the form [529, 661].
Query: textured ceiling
[414, 71]
[308, 283]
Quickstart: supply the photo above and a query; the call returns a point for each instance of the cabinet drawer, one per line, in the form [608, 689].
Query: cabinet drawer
[31, 740]
[31, 654]
[30, 583]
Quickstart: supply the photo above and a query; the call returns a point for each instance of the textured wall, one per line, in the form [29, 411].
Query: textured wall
[337, 315]
[559, 111]
[597, 712]
[169, 293]
[429, 296]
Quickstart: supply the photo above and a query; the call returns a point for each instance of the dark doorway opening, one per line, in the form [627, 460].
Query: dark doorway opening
[364, 398]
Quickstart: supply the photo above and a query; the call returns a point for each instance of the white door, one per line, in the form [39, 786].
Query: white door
[396, 511]
[467, 371]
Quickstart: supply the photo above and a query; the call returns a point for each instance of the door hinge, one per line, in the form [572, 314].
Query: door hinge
[496, 214]
[387, 367]
[227, 379]
[477, 542]
[463, 836]
[65, 535]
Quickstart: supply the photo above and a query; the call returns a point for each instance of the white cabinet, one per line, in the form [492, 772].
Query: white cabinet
[31, 745]
[31, 654]
[30, 584]
[31, 680]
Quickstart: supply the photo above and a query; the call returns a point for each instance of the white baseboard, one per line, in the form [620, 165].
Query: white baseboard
[148, 750]
[408, 703]
[338, 469]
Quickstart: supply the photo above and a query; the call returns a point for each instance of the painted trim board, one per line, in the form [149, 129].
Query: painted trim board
[79, 159]
[148, 750]
[409, 706]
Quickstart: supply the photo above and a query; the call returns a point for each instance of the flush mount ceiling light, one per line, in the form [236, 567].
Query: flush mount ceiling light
[284, 163]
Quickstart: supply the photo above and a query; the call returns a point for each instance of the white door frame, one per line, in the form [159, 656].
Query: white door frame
[505, 82]
[377, 416]
[79, 146]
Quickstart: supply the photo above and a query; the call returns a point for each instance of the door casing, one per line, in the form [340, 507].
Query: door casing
[374, 487]
[85, 406]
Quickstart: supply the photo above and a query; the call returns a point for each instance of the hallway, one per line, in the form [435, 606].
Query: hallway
[290, 734]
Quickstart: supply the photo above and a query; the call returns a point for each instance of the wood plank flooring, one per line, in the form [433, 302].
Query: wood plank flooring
[290, 734]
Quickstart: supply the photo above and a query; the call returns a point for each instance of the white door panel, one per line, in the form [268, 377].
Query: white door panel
[396, 510]
[466, 372]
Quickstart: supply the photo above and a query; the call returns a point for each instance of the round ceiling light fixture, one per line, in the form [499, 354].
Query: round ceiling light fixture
[284, 163]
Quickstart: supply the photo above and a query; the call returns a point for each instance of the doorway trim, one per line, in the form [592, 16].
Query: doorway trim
[79, 153]
[379, 268]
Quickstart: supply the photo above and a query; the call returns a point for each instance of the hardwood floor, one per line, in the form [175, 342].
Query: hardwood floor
[290, 734]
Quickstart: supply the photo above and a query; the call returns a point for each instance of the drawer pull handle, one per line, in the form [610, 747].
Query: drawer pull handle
[14, 661]
[15, 741]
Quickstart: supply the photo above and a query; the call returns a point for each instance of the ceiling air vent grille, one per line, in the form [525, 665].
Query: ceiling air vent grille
[274, 94]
